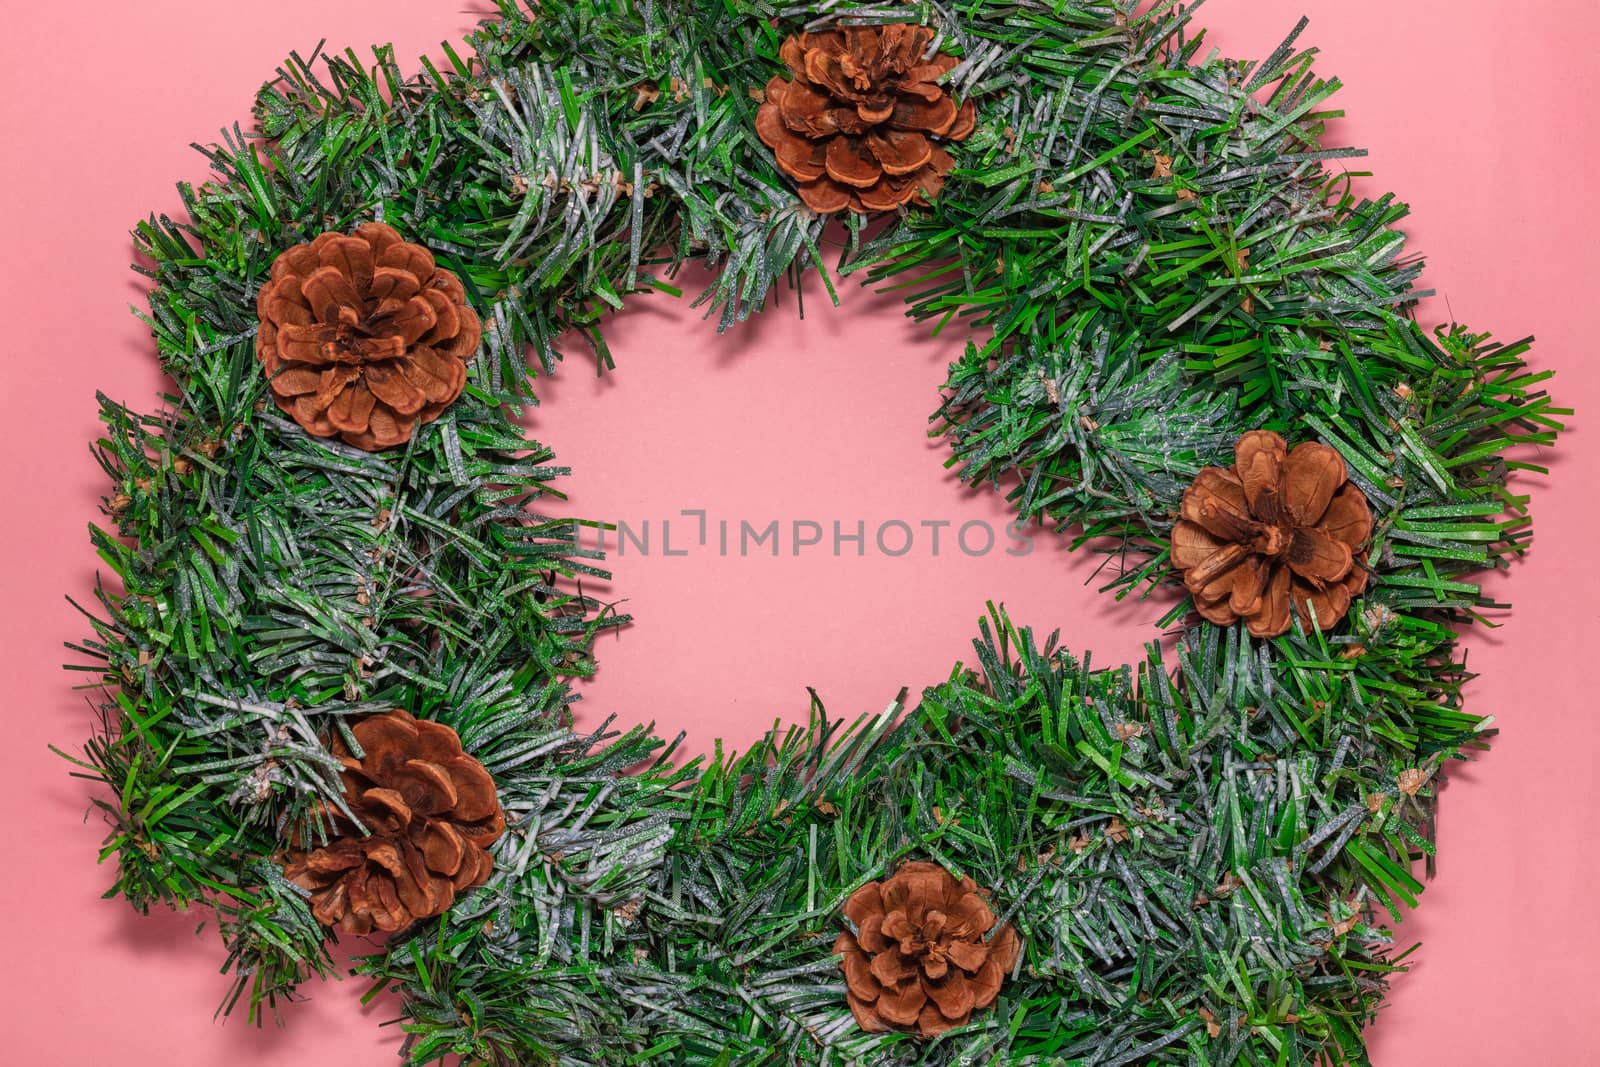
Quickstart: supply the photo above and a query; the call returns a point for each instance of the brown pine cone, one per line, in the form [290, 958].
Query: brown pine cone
[860, 125]
[918, 959]
[1280, 531]
[364, 336]
[431, 810]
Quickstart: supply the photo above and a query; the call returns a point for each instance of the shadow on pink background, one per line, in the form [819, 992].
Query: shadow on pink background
[1479, 118]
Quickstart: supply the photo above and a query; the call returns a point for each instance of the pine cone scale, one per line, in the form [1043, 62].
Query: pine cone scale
[391, 803]
[351, 410]
[924, 116]
[351, 258]
[332, 861]
[329, 907]
[431, 375]
[443, 849]
[475, 794]
[869, 934]
[850, 163]
[1217, 566]
[427, 785]
[391, 388]
[1219, 498]
[954, 998]
[892, 967]
[391, 287]
[310, 344]
[985, 984]
[1317, 556]
[826, 197]
[966, 121]
[900, 152]
[803, 110]
[966, 955]
[857, 968]
[920, 79]
[798, 157]
[1249, 584]
[822, 68]
[446, 319]
[971, 916]
[331, 295]
[1312, 474]
[902, 1005]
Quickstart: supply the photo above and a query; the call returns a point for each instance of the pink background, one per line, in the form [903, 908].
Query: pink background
[1480, 118]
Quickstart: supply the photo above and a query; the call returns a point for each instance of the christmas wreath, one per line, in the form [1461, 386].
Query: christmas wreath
[337, 650]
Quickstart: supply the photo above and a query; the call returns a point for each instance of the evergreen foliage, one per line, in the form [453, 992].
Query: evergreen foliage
[1201, 850]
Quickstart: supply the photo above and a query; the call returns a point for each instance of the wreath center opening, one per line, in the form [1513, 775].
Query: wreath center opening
[780, 518]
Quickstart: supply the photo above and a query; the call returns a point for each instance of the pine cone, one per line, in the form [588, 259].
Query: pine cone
[918, 959]
[859, 125]
[364, 336]
[431, 810]
[1279, 532]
